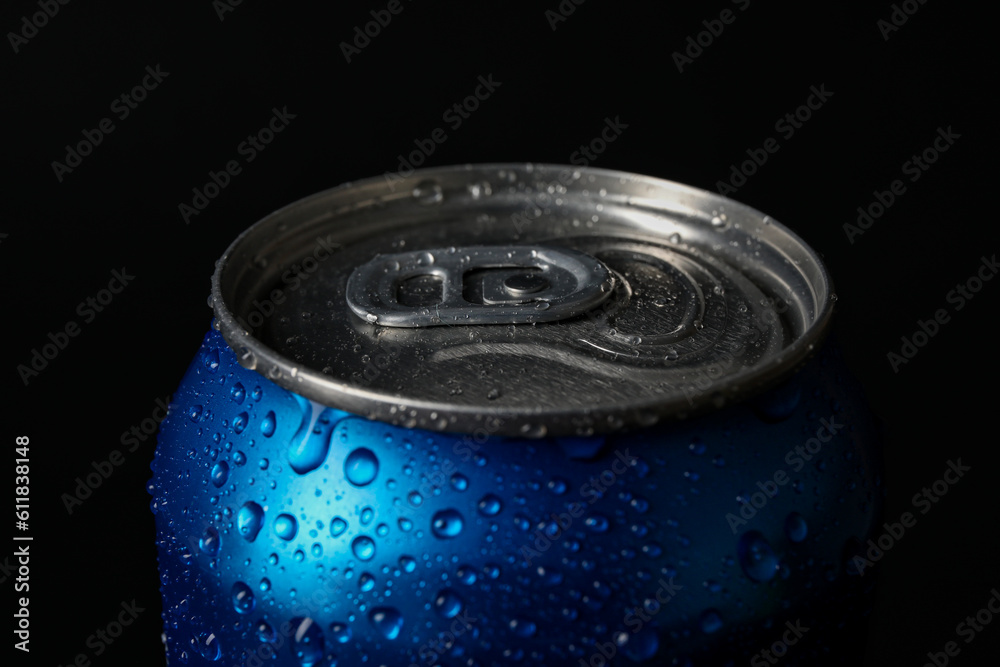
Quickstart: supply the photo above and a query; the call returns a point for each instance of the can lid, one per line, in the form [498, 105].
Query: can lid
[526, 300]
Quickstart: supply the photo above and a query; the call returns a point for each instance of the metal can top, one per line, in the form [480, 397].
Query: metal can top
[526, 300]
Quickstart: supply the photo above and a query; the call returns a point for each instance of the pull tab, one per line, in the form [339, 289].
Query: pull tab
[477, 285]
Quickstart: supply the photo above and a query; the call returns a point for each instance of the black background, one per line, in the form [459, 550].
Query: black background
[119, 208]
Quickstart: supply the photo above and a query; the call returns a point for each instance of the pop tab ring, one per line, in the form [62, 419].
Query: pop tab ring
[513, 285]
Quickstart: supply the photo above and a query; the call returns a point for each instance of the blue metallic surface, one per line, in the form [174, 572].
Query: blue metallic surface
[294, 534]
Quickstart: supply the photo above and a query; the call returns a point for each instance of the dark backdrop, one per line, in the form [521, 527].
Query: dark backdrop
[221, 70]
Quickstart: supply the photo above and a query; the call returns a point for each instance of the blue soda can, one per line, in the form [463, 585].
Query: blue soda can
[516, 415]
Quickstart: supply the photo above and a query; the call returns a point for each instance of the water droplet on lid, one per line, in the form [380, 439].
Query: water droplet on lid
[285, 526]
[542, 305]
[246, 358]
[387, 621]
[675, 238]
[428, 192]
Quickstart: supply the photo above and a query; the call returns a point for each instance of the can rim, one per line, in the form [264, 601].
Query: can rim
[423, 414]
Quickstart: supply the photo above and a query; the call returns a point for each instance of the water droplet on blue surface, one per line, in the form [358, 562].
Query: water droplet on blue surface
[220, 473]
[522, 627]
[447, 523]
[387, 620]
[285, 526]
[265, 632]
[311, 443]
[307, 643]
[243, 599]
[447, 603]
[268, 424]
[795, 527]
[756, 556]
[210, 542]
[361, 467]
[710, 621]
[337, 526]
[340, 632]
[208, 645]
[490, 505]
[363, 547]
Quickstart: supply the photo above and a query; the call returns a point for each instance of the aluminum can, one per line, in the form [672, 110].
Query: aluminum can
[517, 414]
